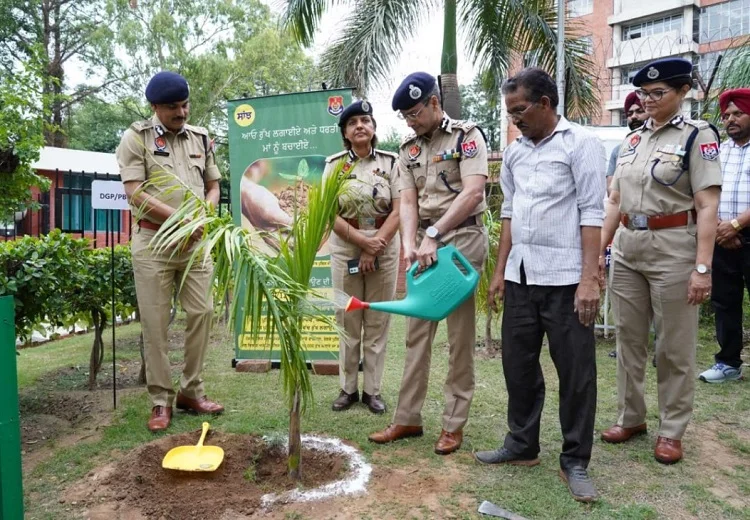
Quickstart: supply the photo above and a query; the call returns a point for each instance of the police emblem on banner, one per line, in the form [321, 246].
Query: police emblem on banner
[710, 151]
[469, 149]
[335, 105]
[414, 152]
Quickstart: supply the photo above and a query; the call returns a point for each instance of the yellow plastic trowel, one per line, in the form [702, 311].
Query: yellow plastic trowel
[194, 458]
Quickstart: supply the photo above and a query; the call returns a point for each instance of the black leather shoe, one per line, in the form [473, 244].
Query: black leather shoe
[374, 402]
[344, 401]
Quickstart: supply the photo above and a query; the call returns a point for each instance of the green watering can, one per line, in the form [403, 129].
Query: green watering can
[435, 292]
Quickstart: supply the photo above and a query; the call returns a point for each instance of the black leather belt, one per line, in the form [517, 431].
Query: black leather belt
[474, 220]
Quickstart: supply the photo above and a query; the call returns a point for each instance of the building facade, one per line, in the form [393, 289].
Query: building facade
[624, 35]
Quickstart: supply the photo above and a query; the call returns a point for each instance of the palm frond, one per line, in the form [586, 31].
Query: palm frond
[302, 17]
[499, 30]
[372, 41]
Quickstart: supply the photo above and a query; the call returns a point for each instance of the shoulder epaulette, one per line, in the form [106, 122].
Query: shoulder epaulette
[335, 156]
[197, 129]
[140, 126]
[700, 124]
[466, 126]
[386, 152]
[406, 140]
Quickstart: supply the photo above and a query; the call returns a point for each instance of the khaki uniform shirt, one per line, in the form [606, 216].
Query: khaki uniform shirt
[374, 183]
[437, 165]
[148, 150]
[649, 173]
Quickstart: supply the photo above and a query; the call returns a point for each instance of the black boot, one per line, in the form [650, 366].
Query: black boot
[344, 401]
[374, 402]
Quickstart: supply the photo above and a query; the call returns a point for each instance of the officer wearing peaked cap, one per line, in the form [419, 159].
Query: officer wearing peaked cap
[443, 170]
[364, 249]
[662, 212]
[182, 157]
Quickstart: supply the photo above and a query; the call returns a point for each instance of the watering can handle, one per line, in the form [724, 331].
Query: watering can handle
[464, 262]
[203, 434]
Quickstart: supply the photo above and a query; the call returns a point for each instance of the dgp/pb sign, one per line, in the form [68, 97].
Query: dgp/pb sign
[108, 195]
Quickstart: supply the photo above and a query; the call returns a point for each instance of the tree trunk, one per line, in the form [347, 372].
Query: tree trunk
[449, 63]
[295, 439]
[97, 349]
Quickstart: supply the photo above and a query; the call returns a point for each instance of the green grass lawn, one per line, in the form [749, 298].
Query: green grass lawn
[712, 482]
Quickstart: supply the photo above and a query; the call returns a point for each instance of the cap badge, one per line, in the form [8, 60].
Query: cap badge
[365, 106]
[652, 73]
[415, 92]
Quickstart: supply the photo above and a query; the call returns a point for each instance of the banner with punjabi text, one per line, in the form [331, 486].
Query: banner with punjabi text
[277, 148]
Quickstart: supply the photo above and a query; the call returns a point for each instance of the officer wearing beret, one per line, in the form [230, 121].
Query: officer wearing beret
[364, 249]
[662, 212]
[443, 170]
[181, 156]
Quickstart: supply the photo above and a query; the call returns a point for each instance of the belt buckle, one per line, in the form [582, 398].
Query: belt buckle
[638, 221]
[367, 222]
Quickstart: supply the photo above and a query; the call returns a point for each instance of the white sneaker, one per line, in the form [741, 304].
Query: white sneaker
[720, 373]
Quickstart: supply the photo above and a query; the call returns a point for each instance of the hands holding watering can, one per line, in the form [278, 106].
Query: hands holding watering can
[426, 254]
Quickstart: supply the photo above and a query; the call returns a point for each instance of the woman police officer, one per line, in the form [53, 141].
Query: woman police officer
[662, 211]
[364, 253]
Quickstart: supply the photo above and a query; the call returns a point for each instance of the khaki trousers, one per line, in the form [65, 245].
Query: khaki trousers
[155, 279]
[649, 278]
[364, 330]
[458, 390]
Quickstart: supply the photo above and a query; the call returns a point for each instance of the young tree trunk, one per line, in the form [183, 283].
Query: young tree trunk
[295, 440]
[97, 349]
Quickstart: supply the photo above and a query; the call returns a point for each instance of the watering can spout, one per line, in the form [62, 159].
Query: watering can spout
[435, 292]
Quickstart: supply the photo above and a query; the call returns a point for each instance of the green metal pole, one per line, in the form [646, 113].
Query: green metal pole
[11, 493]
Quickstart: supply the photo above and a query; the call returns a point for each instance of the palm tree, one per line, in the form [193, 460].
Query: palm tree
[271, 294]
[497, 33]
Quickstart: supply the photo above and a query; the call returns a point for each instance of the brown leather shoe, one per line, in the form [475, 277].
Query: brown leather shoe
[374, 402]
[448, 442]
[395, 432]
[200, 405]
[160, 418]
[668, 451]
[617, 434]
[344, 401]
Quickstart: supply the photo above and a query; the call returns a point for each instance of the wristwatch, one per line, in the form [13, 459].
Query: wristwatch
[736, 224]
[702, 269]
[433, 233]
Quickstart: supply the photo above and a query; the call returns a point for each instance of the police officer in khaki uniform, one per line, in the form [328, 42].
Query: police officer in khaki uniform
[443, 170]
[364, 253]
[664, 198]
[177, 157]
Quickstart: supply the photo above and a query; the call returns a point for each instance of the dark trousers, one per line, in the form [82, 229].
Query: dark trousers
[529, 312]
[731, 274]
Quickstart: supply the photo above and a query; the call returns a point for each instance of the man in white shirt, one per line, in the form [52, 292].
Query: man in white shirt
[547, 274]
[731, 262]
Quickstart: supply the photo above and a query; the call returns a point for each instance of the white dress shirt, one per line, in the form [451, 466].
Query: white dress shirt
[550, 190]
[735, 173]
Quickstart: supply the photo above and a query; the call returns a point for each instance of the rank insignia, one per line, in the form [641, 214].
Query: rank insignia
[469, 149]
[710, 151]
[414, 152]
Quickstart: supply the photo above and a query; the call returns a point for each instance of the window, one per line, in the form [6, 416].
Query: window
[628, 72]
[653, 27]
[727, 20]
[705, 64]
[77, 213]
[580, 7]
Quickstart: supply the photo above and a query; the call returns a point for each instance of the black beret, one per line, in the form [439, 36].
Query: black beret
[660, 70]
[167, 87]
[358, 108]
[415, 88]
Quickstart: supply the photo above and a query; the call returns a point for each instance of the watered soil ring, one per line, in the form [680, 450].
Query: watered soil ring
[353, 483]
[251, 479]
